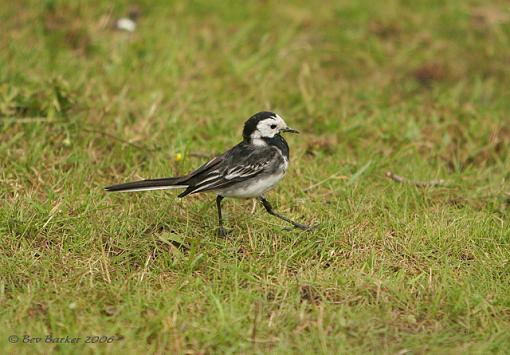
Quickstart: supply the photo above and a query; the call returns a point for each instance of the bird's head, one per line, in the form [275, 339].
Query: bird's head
[265, 125]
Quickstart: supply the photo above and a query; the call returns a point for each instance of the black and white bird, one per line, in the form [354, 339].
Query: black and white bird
[248, 170]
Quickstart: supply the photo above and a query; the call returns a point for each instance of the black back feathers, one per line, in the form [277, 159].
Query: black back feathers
[251, 125]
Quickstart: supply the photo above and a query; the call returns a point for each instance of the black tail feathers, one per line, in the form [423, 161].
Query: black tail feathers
[147, 185]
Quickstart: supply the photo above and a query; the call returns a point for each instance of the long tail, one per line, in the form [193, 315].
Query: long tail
[147, 185]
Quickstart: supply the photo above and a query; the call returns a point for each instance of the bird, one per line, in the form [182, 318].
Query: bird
[247, 170]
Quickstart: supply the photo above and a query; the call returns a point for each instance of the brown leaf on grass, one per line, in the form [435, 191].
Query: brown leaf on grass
[385, 30]
[466, 256]
[37, 309]
[324, 144]
[486, 16]
[66, 28]
[309, 293]
[430, 72]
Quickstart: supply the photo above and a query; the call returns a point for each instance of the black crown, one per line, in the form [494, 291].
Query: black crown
[251, 124]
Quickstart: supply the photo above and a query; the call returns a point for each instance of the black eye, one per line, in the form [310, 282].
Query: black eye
[273, 126]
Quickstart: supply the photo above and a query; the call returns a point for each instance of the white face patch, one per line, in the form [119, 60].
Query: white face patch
[268, 128]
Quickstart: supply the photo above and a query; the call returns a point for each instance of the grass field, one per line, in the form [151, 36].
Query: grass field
[418, 88]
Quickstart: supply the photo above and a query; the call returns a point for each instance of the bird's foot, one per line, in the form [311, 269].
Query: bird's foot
[222, 232]
[303, 227]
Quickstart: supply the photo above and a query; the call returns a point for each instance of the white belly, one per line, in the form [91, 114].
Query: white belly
[252, 188]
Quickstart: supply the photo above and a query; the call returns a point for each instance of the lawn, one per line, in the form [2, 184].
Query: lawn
[420, 89]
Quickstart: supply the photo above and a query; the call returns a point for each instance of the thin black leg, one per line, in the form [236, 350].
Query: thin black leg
[221, 230]
[271, 211]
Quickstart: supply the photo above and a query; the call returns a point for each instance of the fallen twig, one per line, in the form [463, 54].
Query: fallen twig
[418, 183]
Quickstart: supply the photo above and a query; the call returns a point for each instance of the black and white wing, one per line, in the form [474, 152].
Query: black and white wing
[242, 162]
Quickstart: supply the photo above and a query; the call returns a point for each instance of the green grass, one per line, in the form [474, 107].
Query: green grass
[419, 88]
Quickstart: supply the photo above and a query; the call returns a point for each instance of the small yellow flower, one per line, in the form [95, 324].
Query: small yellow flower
[178, 157]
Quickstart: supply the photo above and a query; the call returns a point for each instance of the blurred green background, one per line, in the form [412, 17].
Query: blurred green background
[418, 88]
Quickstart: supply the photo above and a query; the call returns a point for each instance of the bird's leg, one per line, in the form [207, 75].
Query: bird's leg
[271, 211]
[221, 230]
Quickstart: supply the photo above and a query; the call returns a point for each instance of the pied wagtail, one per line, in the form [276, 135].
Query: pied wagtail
[248, 170]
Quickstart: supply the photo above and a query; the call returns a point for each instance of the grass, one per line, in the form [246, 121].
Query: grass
[418, 88]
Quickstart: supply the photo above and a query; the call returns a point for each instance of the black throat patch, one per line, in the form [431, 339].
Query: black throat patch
[279, 142]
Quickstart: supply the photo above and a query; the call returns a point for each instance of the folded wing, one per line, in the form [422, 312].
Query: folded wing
[240, 163]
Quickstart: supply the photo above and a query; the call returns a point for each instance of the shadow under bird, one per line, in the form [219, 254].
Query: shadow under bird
[247, 170]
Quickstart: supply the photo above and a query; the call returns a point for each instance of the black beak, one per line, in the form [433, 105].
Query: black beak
[289, 130]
